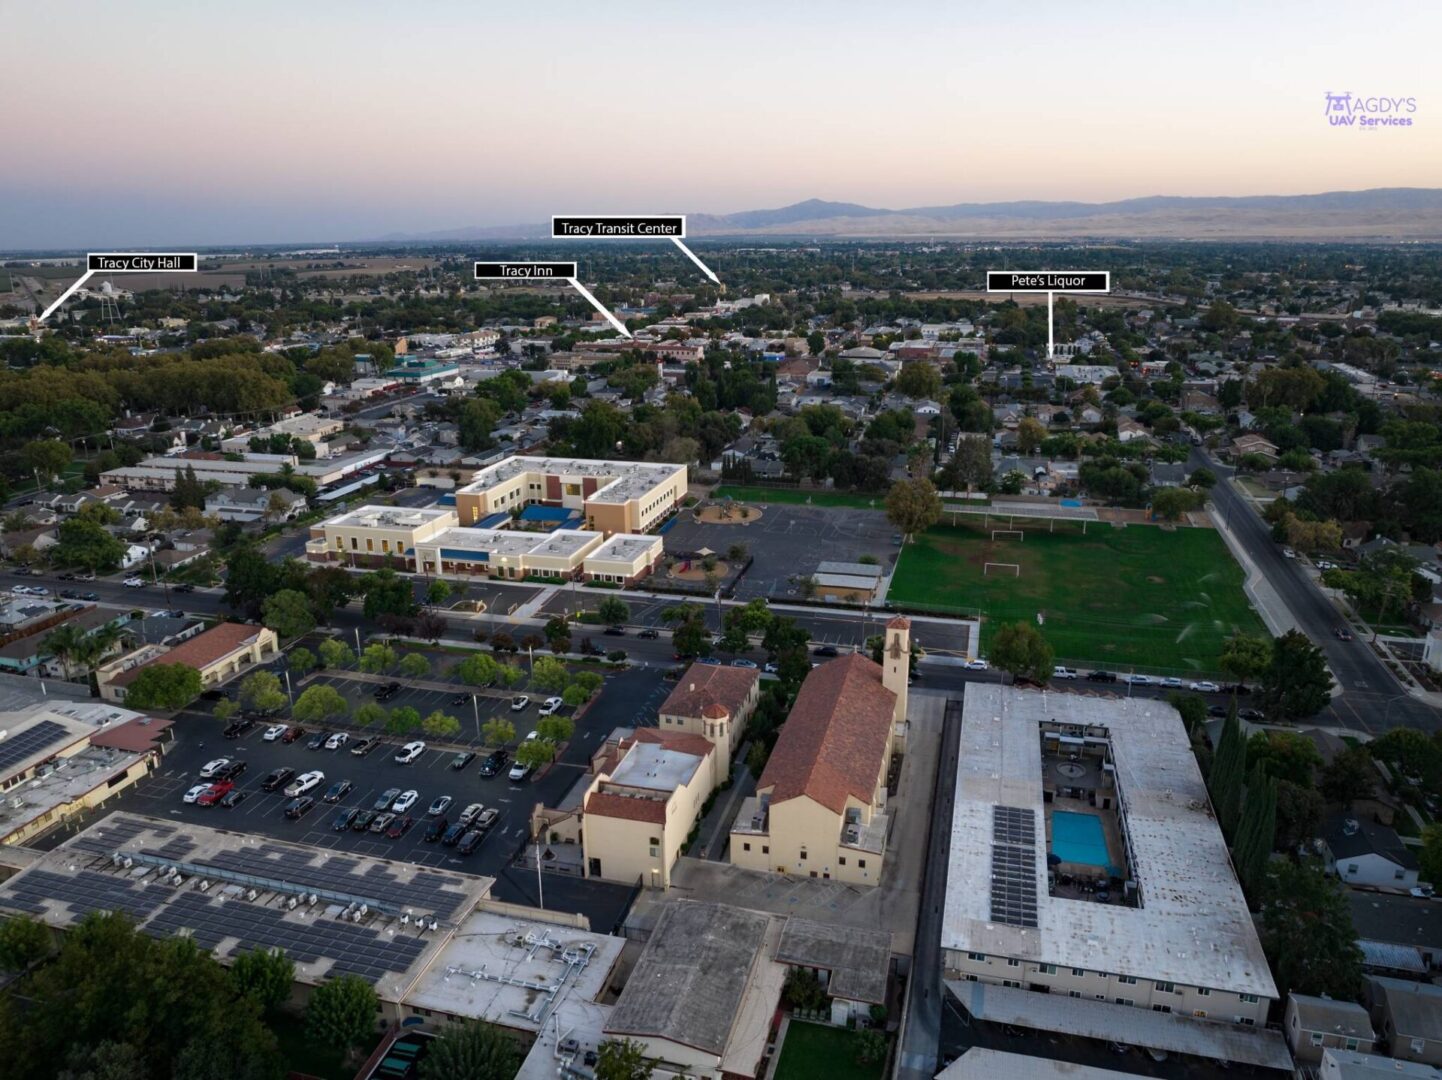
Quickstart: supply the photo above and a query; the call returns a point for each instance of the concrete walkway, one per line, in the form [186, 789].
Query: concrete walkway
[716, 825]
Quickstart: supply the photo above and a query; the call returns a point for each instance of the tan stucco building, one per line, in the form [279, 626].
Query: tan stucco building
[218, 654]
[714, 702]
[377, 535]
[820, 804]
[612, 496]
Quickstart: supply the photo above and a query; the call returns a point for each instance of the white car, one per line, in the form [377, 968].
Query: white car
[1172, 680]
[210, 768]
[551, 706]
[1205, 687]
[409, 752]
[470, 813]
[1138, 680]
[518, 771]
[1063, 673]
[196, 792]
[20, 590]
[304, 782]
[134, 583]
[336, 741]
[977, 665]
[39, 590]
[519, 703]
[1288, 553]
[274, 732]
[406, 801]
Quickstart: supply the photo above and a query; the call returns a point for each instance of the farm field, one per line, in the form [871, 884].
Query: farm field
[1161, 601]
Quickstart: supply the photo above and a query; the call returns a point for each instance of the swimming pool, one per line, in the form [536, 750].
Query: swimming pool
[1078, 838]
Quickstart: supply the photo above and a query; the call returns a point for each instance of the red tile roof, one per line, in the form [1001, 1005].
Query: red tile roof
[623, 806]
[200, 651]
[832, 744]
[682, 741]
[710, 684]
[135, 736]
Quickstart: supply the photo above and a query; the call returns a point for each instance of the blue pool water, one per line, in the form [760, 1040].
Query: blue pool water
[1078, 838]
[1071, 502]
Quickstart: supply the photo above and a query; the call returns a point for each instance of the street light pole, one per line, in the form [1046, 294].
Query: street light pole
[540, 888]
[476, 707]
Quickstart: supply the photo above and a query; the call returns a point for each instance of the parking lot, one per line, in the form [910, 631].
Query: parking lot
[789, 541]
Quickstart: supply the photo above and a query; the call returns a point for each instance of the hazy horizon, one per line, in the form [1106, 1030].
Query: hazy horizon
[149, 124]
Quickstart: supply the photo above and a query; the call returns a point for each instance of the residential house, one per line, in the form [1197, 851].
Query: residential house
[1354, 1065]
[1364, 852]
[1408, 1015]
[1313, 1024]
[1250, 443]
[255, 504]
[1392, 919]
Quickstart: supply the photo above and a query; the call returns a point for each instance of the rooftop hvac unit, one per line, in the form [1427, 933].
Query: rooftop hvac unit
[291, 903]
[250, 894]
[204, 884]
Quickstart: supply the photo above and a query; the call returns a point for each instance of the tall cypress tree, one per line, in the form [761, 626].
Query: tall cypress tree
[1257, 831]
[1228, 768]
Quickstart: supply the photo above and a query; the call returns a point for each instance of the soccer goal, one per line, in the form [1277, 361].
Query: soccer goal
[1001, 567]
[1007, 534]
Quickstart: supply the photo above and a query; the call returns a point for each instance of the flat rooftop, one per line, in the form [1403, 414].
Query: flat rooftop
[33, 734]
[1192, 927]
[233, 892]
[626, 547]
[857, 959]
[653, 767]
[522, 973]
[979, 1063]
[508, 543]
[390, 517]
[619, 481]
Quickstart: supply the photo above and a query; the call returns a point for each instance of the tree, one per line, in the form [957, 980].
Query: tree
[301, 660]
[1348, 777]
[870, 1045]
[970, 465]
[414, 665]
[1307, 932]
[690, 636]
[368, 714]
[225, 710]
[319, 703]
[48, 457]
[612, 610]
[1191, 708]
[438, 591]
[1256, 830]
[1170, 503]
[498, 731]
[1413, 753]
[341, 1013]
[587, 682]
[23, 941]
[919, 379]
[558, 634]
[261, 691]
[1202, 478]
[164, 686]
[1284, 755]
[335, 653]
[549, 674]
[83, 542]
[377, 658]
[441, 725]
[1296, 685]
[471, 1050]
[403, 720]
[288, 613]
[1299, 815]
[1225, 779]
[265, 976]
[557, 728]
[478, 669]
[1020, 649]
[1029, 434]
[387, 593]
[534, 753]
[913, 505]
[1244, 657]
[622, 1059]
[249, 579]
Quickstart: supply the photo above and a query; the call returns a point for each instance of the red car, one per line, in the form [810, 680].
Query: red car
[400, 827]
[213, 794]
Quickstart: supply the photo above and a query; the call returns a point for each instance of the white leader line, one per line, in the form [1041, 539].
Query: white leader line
[692, 256]
[617, 323]
[65, 296]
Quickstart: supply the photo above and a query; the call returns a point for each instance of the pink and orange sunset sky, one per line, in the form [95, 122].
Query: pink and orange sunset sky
[207, 123]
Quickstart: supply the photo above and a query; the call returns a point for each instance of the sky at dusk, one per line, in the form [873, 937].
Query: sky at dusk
[254, 122]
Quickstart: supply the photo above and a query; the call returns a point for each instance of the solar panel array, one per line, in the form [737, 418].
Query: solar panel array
[83, 891]
[32, 740]
[105, 837]
[352, 948]
[1013, 865]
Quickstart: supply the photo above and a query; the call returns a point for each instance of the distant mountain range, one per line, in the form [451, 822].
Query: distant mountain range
[1377, 213]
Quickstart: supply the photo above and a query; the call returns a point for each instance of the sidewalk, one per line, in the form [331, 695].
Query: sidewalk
[1263, 595]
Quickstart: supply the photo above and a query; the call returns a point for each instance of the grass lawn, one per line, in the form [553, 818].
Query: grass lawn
[303, 1055]
[817, 1052]
[796, 496]
[1160, 600]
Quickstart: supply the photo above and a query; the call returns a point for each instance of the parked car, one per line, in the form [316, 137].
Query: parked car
[614, 631]
[213, 794]
[1137, 680]
[551, 706]
[709, 661]
[439, 806]
[275, 731]
[518, 772]
[299, 807]
[345, 819]
[519, 703]
[363, 821]
[409, 752]
[382, 822]
[231, 771]
[276, 778]
[495, 762]
[1172, 681]
[386, 691]
[462, 759]
[405, 800]
[435, 829]
[1101, 676]
[292, 733]
[134, 583]
[236, 728]
[1202, 686]
[470, 841]
[1343, 634]
[742, 662]
[1063, 673]
[399, 827]
[184, 587]
[1288, 553]
[452, 834]
[233, 799]
[337, 791]
[771, 667]
[210, 768]
[306, 781]
[470, 813]
[649, 634]
[979, 664]
[319, 739]
[460, 699]
[365, 746]
[336, 741]
[386, 797]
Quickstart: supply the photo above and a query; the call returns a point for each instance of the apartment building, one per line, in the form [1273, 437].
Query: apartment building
[612, 496]
[820, 804]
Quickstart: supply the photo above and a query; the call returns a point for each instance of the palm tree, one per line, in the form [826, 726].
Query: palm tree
[65, 643]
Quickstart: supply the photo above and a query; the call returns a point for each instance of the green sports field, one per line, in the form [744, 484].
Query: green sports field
[1161, 600]
[757, 496]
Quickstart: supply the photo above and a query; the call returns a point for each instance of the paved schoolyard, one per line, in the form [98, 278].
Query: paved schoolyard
[790, 541]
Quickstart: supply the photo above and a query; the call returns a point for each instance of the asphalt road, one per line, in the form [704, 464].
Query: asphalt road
[1371, 699]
